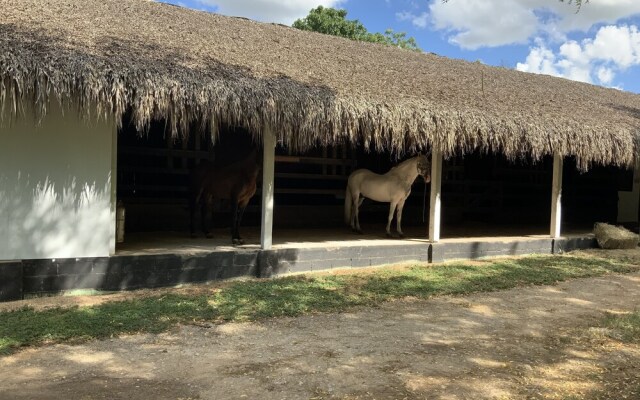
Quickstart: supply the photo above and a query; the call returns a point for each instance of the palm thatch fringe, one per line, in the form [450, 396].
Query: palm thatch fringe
[108, 57]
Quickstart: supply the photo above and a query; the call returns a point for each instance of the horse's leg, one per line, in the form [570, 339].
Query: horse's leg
[352, 214]
[234, 220]
[240, 215]
[239, 212]
[354, 209]
[392, 209]
[355, 220]
[399, 218]
[360, 201]
[203, 219]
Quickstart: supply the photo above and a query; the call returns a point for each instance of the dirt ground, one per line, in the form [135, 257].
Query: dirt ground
[524, 343]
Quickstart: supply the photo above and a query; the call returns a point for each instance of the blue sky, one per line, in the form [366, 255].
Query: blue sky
[600, 44]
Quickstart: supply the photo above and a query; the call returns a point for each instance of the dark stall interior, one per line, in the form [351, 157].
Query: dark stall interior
[482, 194]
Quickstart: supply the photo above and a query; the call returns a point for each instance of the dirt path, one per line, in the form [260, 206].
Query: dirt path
[534, 342]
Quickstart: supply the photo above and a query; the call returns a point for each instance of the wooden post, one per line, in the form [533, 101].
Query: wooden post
[434, 204]
[556, 197]
[268, 169]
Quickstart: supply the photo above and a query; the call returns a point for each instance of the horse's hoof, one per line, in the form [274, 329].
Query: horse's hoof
[400, 235]
[358, 231]
[389, 235]
[208, 235]
[237, 241]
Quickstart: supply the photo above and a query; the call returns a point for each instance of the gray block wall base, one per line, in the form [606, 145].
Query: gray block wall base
[134, 272]
[564, 245]
[37, 277]
[10, 280]
[478, 249]
[283, 261]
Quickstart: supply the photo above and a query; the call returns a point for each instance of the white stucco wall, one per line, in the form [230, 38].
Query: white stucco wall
[57, 193]
[628, 201]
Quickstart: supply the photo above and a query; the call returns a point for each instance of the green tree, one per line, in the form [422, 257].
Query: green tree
[578, 2]
[331, 22]
[391, 38]
[334, 22]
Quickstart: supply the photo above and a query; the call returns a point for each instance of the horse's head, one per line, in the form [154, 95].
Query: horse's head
[424, 168]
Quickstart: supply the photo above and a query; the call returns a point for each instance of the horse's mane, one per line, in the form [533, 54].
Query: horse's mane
[403, 163]
[253, 155]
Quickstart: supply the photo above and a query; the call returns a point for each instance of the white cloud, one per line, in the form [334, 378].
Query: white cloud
[487, 23]
[594, 60]
[475, 24]
[605, 75]
[540, 61]
[595, 12]
[617, 44]
[282, 11]
[420, 20]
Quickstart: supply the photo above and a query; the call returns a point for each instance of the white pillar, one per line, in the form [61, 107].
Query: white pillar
[556, 197]
[268, 167]
[435, 200]
[114, 189]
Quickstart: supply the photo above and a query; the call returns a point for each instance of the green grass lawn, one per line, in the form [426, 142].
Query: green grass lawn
[625, 327]
[295, 295]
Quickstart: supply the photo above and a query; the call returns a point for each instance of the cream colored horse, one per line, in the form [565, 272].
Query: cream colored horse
[393, 187]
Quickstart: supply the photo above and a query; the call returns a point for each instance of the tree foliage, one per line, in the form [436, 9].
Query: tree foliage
[334, 22]
[577, 2]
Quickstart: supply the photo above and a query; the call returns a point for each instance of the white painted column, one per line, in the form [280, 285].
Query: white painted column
[268, 168]
[556, 196]
[435, 199]
[114, 189]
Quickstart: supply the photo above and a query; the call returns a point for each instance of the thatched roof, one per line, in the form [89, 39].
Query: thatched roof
[159, 60]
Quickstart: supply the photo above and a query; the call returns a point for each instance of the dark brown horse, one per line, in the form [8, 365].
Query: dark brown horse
[235, 182]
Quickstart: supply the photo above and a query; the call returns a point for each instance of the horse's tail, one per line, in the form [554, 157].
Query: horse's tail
[348, 203]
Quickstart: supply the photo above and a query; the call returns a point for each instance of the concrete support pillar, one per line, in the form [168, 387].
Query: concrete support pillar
[556, 197]
[268, 169]
[114, 191]
[435, 199]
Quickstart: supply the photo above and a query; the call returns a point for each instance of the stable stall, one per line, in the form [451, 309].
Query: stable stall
[108, 105]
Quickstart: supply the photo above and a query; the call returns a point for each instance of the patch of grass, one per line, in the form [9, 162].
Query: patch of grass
[156, 314]
[293, 296]
[618, 376]
[289, 296]
[625, 327]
